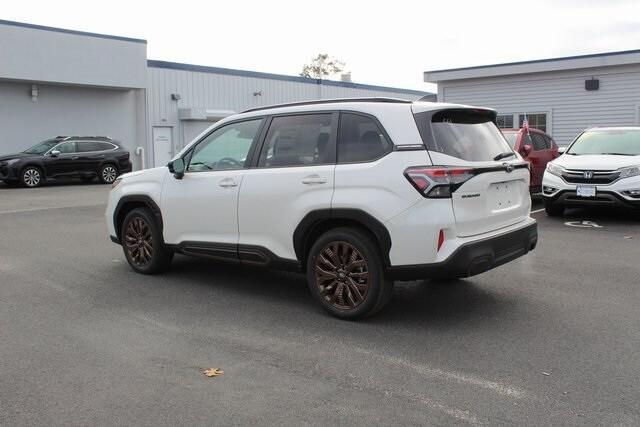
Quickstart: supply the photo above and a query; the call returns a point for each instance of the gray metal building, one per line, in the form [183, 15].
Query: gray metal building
[61, 82]
[562, 96]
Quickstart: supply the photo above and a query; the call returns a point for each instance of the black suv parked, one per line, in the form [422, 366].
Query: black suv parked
[84, 157]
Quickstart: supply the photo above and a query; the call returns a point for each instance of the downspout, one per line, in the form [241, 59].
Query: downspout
[140, 152]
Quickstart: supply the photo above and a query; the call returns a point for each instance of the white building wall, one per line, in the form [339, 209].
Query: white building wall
[40, 54]
[66, 110]
[561, 94]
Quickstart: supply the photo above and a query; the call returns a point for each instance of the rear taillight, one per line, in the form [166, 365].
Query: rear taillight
[440, 239]
[437, 182]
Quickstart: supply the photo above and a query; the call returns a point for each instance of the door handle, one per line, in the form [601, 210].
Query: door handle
[313, 179]
[227, 182]
[75, 158]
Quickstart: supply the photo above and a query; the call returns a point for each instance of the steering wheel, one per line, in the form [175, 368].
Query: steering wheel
[230, 161]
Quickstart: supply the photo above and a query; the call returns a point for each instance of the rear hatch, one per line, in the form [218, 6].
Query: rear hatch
[493, 189]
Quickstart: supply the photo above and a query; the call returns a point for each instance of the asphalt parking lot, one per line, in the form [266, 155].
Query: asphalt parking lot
[552, 338]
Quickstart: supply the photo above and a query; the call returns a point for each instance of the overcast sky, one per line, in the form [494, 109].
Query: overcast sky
[386, 43]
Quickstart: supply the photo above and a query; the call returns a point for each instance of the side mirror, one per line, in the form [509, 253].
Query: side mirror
[526, 150]
[561, 149]
[176, 167]
[54, 153]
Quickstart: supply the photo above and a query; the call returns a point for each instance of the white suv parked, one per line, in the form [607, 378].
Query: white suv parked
[600, 168]
[354, 192]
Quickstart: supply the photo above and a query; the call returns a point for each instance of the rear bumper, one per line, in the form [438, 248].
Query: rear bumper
[603, 198]
[474, 257]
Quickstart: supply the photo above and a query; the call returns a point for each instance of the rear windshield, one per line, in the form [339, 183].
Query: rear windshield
[623, 142]
[466, 134]
[511, 138]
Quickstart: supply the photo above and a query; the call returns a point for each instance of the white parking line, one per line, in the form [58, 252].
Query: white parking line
[506, 390]
[49, 208]
[537, 210]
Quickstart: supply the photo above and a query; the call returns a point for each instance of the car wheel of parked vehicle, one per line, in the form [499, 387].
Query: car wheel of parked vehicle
[108, 174]
[553, 210]
[142, 243]
[345, 274]
[31, 177]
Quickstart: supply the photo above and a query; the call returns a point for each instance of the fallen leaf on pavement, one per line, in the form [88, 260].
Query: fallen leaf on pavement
[213, 372]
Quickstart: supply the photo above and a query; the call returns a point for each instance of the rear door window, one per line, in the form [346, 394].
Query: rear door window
[297, 141]
[469, 135]
[360, 139]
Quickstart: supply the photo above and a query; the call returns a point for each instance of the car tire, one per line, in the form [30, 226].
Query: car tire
[31, 177]
[108, 173]
[553, 209]
[142, 243]
[345, 274]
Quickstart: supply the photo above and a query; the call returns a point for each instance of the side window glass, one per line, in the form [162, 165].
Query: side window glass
[547, 141]
[225, 148]
[66, 147]
[360, 139]
[297, 141]
[86, 146]
[526, 140]
[538, 142]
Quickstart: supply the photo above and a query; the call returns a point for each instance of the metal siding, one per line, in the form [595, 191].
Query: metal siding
[232, 92]
[560, 93]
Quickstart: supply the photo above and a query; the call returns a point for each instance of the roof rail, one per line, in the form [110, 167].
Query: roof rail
[330, 101]
[89, 137]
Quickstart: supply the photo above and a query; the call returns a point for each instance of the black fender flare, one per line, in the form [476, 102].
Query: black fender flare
[317, 217]
[137, 199]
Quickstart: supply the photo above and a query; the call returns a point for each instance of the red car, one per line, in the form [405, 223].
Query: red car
[534, 146]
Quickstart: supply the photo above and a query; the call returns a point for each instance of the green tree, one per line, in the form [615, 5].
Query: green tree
[322, 66]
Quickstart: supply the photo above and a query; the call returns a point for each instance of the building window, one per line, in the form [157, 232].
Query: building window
[536, 121]
[505, 121]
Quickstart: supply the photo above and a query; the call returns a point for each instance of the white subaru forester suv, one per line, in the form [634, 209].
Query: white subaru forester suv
[600, 168]
[354, 192]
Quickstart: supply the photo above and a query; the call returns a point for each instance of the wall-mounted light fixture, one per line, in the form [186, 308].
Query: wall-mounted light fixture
[257, 93]
[34, 93]
[176, 96]
[593, 84]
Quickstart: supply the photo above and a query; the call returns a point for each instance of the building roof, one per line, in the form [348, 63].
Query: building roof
[261, 75]
[63, 30]
[536, 66]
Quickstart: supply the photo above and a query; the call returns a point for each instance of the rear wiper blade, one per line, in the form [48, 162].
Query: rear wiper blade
[504, 155]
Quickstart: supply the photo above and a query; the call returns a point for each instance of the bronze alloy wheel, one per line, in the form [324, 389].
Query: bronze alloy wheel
[342, 275]
[139, 241]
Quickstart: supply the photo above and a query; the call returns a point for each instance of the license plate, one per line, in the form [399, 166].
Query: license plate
[586, 191]
[502, 195]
